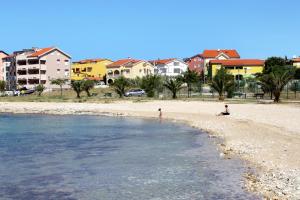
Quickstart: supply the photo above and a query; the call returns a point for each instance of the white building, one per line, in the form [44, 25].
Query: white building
[169, 67]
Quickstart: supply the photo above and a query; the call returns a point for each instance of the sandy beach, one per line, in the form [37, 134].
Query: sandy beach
[266, 135]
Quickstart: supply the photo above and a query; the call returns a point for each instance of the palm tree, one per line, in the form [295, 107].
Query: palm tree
[87, 86]
[174, 85]
[77, 87]
[190, 77]
[120, 84]
[150, 83]
[223, 81]
[276, 80]
[60, 82]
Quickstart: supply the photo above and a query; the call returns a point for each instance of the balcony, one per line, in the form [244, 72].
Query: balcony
[36, 66]
[33, 77]
[22, 77]
[43, 77]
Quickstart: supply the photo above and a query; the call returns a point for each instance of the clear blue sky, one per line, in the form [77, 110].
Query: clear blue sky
[149, 29]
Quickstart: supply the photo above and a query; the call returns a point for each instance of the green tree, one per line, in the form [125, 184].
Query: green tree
[87, 86]
[174, 85]
[150, 84]
[272, 62]
[120, 85]
[60, 82]
[190, 77]
[223, 82]
[40, 89]
[276, 80]
[2, 86]
[77, 87]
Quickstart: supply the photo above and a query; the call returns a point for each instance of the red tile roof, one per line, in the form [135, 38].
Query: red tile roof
[162, 62]
[122, 62]
[296, 59]
[240, 62]
[214, 53]
[41, 52]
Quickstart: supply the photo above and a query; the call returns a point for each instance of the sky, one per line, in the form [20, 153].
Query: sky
[151, 29]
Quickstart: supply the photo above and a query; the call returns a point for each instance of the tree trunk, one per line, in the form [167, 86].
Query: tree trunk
[78, 94]
[61, 91]
[277, 96]
[174, 95]
[88, 93]
[221, 97]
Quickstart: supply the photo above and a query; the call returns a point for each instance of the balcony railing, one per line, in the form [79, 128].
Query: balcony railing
[43, 77]
[33, 77]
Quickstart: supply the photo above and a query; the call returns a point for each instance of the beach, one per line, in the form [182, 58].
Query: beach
[265, 135]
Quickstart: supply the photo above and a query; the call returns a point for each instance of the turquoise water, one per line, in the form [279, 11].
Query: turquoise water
[88, 157]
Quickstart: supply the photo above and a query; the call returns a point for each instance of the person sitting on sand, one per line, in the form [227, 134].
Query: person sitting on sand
[226, 111]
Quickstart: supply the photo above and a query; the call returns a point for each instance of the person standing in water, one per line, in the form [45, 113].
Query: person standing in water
[160, 113]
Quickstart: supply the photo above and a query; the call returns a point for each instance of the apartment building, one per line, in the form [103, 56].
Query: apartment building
[129, 68]
[91, 69]
[218, 54]
[40, 66]
[169, 67]
[2, 55]
[9, 71]
[240, 68]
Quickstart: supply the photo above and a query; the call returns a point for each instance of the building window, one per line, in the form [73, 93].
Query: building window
[83, 70]
[58, 70]
[66, 62]
[33, 62]
[21, 62]
[43, 62]
[163, 70]
[66, 70]
[177, 70]
[239, 67]
[176, 63]
[89, 69]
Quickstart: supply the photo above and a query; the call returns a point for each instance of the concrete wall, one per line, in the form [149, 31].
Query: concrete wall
[58, 65]
[2, 71]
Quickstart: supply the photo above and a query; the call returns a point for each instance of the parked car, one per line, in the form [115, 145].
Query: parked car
[135, 92]
[24, 91]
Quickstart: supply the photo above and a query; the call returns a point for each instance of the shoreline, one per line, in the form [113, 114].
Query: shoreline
[269, 146]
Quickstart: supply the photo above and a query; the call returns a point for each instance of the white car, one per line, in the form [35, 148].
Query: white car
[135, 92]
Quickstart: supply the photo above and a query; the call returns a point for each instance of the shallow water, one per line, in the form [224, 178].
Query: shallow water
[90, 157]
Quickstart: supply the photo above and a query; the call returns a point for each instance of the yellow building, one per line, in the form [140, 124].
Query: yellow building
[129, 68]
[240, 68]
[93, 69]
[296, 62]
